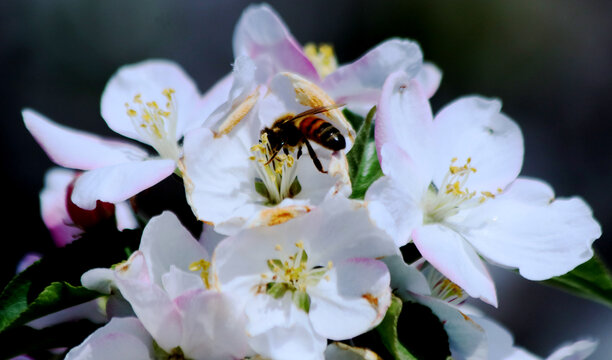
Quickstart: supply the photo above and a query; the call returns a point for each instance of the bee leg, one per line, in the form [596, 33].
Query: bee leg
[314, 157]
[272, 157]
[299, 153]
[286, 151]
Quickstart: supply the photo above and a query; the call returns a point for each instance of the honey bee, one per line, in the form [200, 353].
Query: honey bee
[291, 131]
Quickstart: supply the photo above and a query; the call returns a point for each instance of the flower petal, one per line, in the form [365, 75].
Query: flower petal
[406, 278]
[261, 34]
[394, 200]
[352, 300]
[219, 180]
[117, 183]
[215, 97]
[358, 84]
[151, 304]
[77, 149]
[429, 78]
[466, 338]
[473, 127]
[149, 79]
[121, 338]
[578, 350]
[527, 228]
[213, 326]
[454, 257]
[279, 330]
[348, 223]
[53, 206]
[178, 282]
[166, 242]
[405, 119]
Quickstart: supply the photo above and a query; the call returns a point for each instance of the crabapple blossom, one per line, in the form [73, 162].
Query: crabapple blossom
[180, 308]
[451, 187]
[262, 35]
[309, 279]
[234, 180]
[154, 102]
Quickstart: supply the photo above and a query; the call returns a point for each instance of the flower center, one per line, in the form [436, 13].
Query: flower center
[156, 124]
[277, 177]
[322, 57]
[453, 195]
[293, 275]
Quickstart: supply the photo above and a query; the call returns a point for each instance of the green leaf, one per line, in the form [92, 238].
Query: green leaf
[388, 331]
[364, 167]
[590, 280]
[51, 284]
[26, 340]
[353, 119]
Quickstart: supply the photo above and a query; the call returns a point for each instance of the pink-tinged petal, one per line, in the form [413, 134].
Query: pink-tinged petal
[149, 79]
[213, 326]
[117, 183]
[215, 97]
[28, 259]
[353, 300]
[454, 257]
[412, 176]
[121, 338]
[77, 149]
[429, 78]
[466, 338]
[261, 35]
[473, 127]
[405, 119]
[150, 303]
[53, 206]
[166, 242]
[279, 330]
[527, 228]
[362, 80]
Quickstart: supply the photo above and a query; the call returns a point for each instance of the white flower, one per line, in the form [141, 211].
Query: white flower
[451, 187]
[153, 102]
[308, 280]
[230, 179]
[179, 308]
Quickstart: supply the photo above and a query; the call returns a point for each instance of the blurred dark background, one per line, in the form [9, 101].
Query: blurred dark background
[550, 61]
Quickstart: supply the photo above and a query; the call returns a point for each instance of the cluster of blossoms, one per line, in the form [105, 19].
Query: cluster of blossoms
[288, 260]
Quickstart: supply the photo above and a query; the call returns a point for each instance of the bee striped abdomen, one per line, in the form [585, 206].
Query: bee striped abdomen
[321, 132]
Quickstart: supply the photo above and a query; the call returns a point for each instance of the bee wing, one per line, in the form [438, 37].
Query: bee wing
[313, 111]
